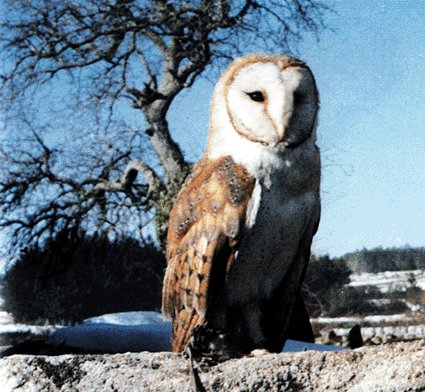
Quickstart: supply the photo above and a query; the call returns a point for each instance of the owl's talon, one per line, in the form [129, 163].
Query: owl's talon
[258, 352]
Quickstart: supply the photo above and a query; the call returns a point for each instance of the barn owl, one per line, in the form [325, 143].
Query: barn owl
[241, 228]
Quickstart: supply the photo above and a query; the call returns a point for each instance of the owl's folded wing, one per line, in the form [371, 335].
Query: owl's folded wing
[205, 225]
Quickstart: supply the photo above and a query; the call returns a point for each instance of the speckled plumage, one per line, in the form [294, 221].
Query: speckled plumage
[205, 225]
[241, 228]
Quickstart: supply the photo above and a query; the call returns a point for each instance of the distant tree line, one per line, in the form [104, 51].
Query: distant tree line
[379, 259]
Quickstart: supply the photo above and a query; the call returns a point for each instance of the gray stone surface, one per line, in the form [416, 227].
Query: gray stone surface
[392, 367]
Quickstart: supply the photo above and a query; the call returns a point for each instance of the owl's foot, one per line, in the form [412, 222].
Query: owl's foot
[211, 345]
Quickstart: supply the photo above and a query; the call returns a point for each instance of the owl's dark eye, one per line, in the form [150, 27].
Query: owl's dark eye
[256, 96]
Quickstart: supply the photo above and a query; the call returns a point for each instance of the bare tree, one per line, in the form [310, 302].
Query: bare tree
[142, 51]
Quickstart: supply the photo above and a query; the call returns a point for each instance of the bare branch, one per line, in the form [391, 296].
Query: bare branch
[125, 183]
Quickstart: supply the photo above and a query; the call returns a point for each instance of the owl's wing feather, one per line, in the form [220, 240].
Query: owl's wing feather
[205, 225]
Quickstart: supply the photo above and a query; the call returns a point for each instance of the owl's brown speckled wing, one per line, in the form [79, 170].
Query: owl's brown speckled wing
[205, 224]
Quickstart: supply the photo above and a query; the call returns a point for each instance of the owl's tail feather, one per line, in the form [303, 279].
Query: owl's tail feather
[183, 324]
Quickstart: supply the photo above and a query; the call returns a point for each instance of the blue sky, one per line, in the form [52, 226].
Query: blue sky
[370, 71]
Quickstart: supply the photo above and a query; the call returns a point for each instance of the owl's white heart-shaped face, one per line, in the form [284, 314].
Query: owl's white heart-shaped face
[263, 106]
[270, 105]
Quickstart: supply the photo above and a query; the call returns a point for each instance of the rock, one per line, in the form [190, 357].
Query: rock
[376, 340]
[393, 367]
[330, 337]
[355, 339]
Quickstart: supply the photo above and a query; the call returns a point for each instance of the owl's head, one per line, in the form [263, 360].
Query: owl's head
[270, 100]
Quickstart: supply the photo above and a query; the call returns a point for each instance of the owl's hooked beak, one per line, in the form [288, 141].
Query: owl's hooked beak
[282, 120]
[278, 143]
[280, 136]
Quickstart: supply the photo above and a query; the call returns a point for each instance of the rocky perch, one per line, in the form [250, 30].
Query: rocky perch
[393, 367]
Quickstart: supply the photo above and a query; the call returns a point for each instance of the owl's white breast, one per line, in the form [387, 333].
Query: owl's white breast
[276, 224]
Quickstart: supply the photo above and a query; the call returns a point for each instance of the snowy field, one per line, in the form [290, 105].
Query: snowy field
[396, 325]
[375, 319]
[388, 280]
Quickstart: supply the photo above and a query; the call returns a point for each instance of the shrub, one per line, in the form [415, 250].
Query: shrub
[324, 276]
[73, 277]
[349, 301]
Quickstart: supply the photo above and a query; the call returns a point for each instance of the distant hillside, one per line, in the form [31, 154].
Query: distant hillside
[379, 260]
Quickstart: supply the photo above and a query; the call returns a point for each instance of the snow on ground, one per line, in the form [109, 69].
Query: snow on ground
[398, 325]
[416, 331]
[121, 332]
[383, 319]
[127, 318]
[136, 331]
[390, 318]
[5, 318]
[114, 338]
[388, 280]
[15, 329]
[413, 307]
